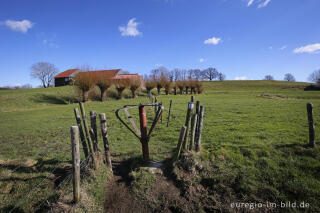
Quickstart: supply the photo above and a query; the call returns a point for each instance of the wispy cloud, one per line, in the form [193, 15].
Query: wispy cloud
[131, 29]
[250, 2]
[283, 47]
[311, 48]
[264, 4]
[201, 60]
[18, 26]
[240, 78]
[213, 41]
[50, 43]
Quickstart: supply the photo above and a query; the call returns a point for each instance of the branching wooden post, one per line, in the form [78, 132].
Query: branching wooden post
[312, 141]
[188, 117]
[180, 142]
[104, 133]
[198, 141]
[193, 130]
[168, 120]
[75, 162]
[86, 128]
[93, 119]
[82, 137]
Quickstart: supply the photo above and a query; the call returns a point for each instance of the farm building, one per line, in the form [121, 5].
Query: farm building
[65, 78]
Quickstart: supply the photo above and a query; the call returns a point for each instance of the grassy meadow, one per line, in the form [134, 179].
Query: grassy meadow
[254, 138]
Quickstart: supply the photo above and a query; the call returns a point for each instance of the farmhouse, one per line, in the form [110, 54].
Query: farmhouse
[65, 78]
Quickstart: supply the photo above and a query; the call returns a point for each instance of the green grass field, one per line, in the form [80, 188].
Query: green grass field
[254, 135]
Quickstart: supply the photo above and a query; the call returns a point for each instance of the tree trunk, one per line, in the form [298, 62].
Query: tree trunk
[149, 93]
[85, 96]
[175, 91]
[133, 93]
[103, 94]
[159, 90]
[181, 90]
[187, 90]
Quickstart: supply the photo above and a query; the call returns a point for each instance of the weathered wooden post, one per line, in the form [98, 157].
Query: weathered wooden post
[93, 139]
[93, 118]
[86, 128]
[193, 130]
[155, 107]
[168, 120]
[144, 134]
[83, 139]
[192, 98]
[198, 141]
[197, 125]
[188, 117]
[75, 162]
[312, 141]
[104, 132]
[198, 107]
[180, 142]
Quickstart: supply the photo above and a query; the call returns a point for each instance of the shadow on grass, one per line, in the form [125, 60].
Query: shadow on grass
[53, 99]
[11, 208]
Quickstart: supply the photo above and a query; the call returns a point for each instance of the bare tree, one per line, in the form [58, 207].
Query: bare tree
[210, 73]
[221, 76]
[315, 76]
[289, 77]
[197, 74]
[268, 78]
[45, 72]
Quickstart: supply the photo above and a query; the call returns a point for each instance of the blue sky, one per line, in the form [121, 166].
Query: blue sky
[244, 39]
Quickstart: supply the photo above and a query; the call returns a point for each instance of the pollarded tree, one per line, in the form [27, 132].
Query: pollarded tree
[268, 78]
[150, 84]
[180, 85]
[315, 76]
[289, 77]
[135, 83]
[84, 81]
[45, 72]
[103, 82]
[167, 87]
[121, 85]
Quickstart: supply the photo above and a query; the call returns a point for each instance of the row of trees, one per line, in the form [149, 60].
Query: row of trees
[287, 77]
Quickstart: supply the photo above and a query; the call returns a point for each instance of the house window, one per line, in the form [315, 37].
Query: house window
[66, 79]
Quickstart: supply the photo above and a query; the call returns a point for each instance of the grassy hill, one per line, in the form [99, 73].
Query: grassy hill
[253, 138]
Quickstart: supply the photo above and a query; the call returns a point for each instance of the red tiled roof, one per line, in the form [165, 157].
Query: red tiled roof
[66, 73]
[105, 73]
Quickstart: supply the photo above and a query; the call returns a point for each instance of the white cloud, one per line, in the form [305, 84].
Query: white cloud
[130, 29]
[49, 43]
[250, 2]
[201, 60]
[240, 78]
[19, 26]
[213, 41]
[311, 48]
[264, 4]
[270, 48]
[283, 47]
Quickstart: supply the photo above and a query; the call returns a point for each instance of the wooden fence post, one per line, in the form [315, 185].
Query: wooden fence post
[169, 113]
[312, 141]
[192, 98]
[197, 125]
[144, 134]
[75, 162]
[193, 130]
[86, 128]
[198, 141]
[104, 133]
[83, 139]
[188, 117]
[180, 142]
[155, 107]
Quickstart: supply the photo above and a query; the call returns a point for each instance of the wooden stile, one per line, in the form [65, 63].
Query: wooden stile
[86, 128]
[104, 132]
[180, 142]
[198, 141]
[82, 137]
[193, 130]
[75, 162]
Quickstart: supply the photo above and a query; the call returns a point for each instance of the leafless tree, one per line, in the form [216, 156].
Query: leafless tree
[315, 76]
[197, 74]
[268, 78]
[289, 77]
[210, 73]
[45, 72]
[221, 76]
